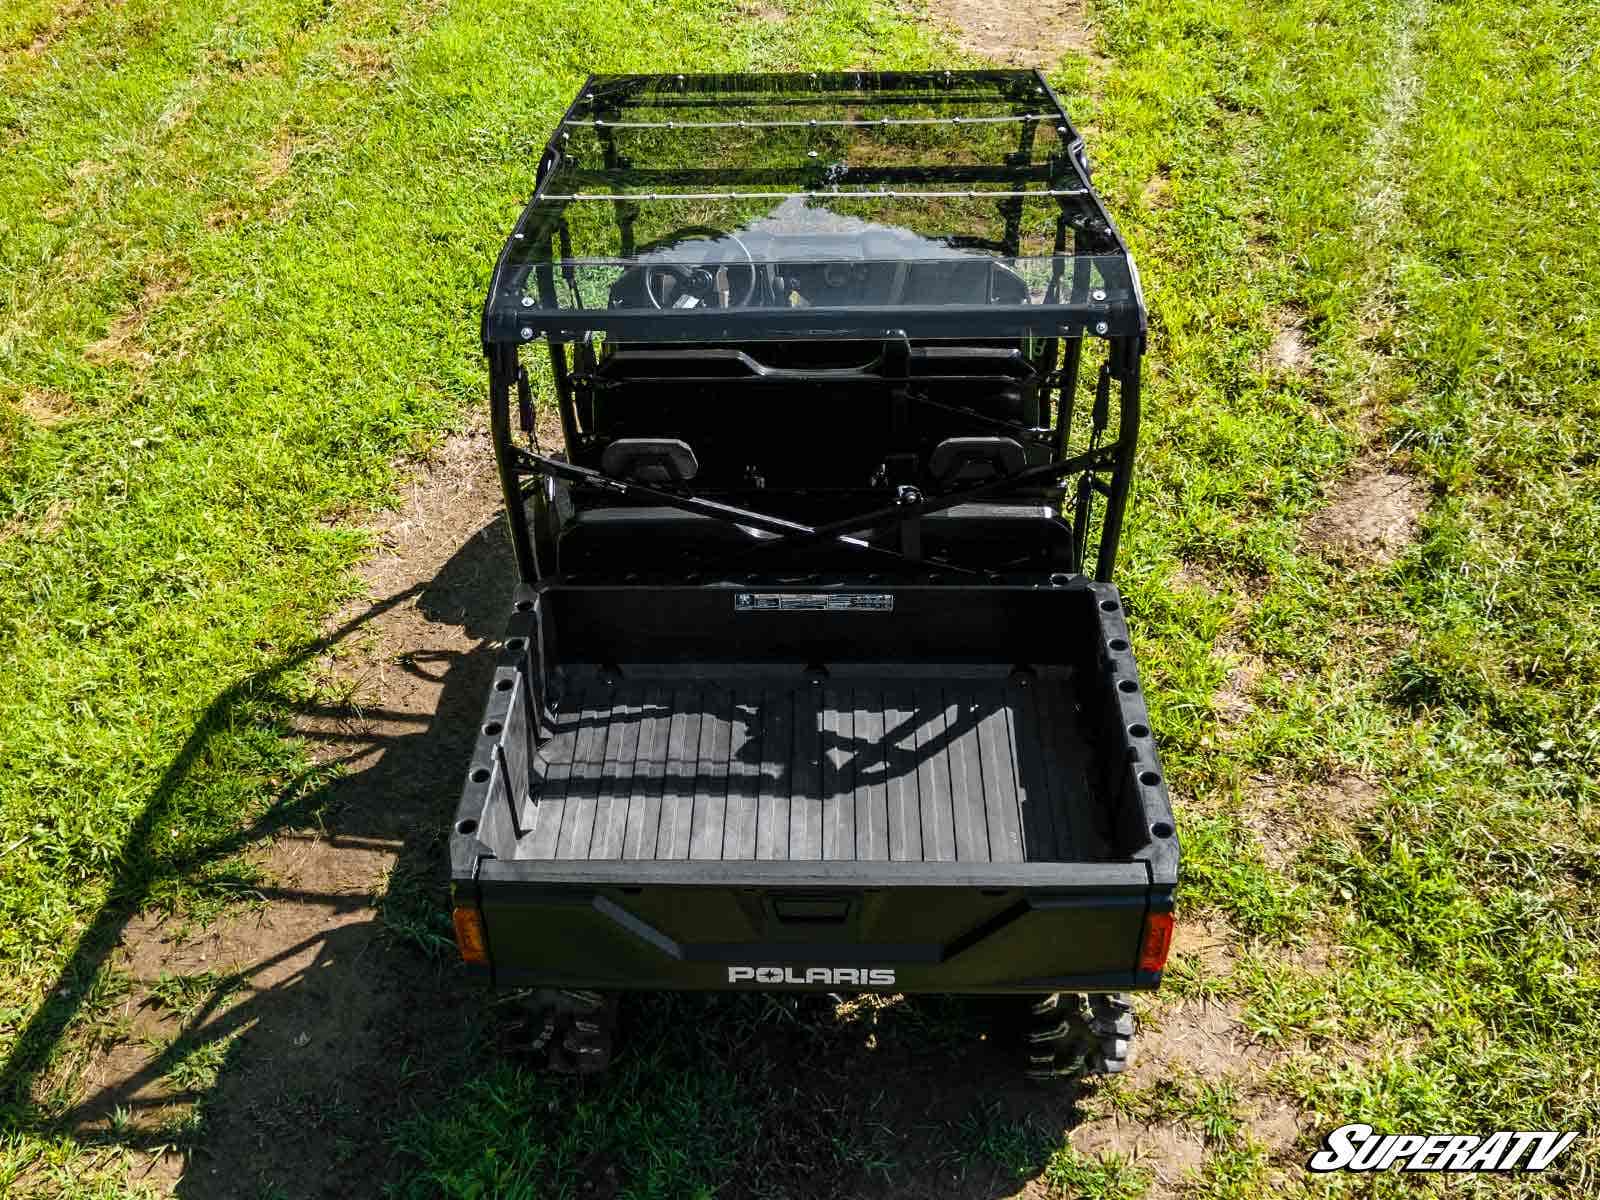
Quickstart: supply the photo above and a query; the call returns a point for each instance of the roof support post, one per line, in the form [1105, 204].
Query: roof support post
[502, 381]
[1124, 368]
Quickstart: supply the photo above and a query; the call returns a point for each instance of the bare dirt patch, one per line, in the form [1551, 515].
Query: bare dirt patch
[1278, 818]
[1157, 191]
[1187, 1049]
[1287, 818]
[1015, 33]
[1347, 802]
[1314, 954]
[1232, 701]
[762, 10]
[1371, 518]
[194, 990]
[44, 406]
[1273, 1123]
[365, 60]
[1290, 349]
[121, 344]
[391, 679]
[312, 1085]
[1206, 945]
[1180, 1048]
[1172, 1153]
[1199, 1037]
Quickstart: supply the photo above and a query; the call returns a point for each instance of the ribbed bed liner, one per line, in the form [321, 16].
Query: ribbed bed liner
[962, 770]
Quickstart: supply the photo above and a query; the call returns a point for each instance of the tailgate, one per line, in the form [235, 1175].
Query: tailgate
[905, 927]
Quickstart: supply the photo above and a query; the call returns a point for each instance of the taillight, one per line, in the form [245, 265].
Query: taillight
[1157, 941]
[470, 941]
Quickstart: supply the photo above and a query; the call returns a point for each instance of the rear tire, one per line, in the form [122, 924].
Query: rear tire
[1073, 1035]
[574, 1029]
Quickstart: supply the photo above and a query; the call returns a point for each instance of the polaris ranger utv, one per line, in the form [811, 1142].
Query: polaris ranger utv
[815, 677]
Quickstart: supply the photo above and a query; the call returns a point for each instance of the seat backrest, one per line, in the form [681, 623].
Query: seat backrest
[807, 415]
[650, 460]
[974, 459]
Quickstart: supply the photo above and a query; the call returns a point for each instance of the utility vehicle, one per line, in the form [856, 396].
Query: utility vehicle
[815, 677]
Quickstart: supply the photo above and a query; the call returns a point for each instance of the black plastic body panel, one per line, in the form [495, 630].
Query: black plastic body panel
[965, 926]
[947, 937]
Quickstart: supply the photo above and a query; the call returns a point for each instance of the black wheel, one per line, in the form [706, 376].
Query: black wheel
[1111, 1032]
[574, 1031]
[1073, 1035]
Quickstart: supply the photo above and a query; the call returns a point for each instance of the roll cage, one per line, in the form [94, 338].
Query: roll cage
[925, 240]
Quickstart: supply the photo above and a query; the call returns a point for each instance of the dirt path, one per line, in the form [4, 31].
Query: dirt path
[1016, 33]
[353, 1031]
[301, 1025]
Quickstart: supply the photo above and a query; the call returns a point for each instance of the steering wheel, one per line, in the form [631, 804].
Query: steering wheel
[694, 280]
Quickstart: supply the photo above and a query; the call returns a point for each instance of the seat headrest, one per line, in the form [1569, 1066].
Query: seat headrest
[650, 460]
[972, 459]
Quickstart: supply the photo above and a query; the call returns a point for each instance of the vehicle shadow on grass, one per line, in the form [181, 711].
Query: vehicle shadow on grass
[323, 1042]
[341, 980]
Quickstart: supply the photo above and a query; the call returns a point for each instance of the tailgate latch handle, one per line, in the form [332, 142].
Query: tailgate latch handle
[811, 910]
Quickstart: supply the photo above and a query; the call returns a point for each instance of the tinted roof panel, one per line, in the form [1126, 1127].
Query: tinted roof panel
[700, 206]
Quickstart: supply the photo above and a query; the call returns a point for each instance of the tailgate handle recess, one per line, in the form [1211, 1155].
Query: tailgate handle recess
[811, 910]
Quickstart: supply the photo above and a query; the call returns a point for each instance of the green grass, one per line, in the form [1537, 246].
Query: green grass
[1100, 1177]
[243, 247]
[1449, 304]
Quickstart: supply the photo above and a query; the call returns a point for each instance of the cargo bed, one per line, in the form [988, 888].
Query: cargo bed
[981, 823]
[861, 767]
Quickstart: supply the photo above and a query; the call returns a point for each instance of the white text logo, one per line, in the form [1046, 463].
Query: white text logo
[1359, 1148]
[831, 976]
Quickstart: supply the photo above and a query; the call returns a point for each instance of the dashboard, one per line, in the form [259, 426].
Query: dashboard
[700, 267]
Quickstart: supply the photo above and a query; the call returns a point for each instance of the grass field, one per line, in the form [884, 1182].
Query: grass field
[242, 245]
